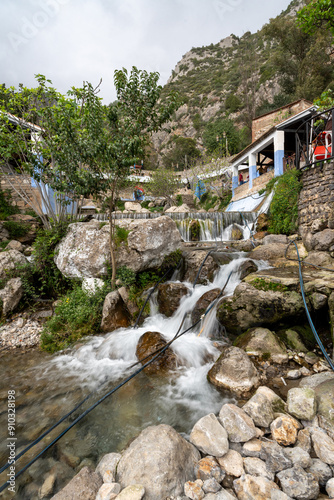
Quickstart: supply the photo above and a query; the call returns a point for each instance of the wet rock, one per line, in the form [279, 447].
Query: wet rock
[208, 468]
[195, 230]
[284, 430]
[321, 471]
[298, 456]
[232, 463]
[193, 489]
[169, 297]
[323, 445]
[203, 303]
[144, 461]
[11, 295]
[239, 426]
[257, 467]
[247, 487]
[236, 233]
[84, 485]
[146, 348]
[209, 436]
[262, 342]
[250, 307]
[114, 314]
[234, 371]
[132, 492]
[301, 403]
[192, 263]
[274, 456]
[298, 483]
[9, 260]
[260, 410]
[246, 268]
[108, 463]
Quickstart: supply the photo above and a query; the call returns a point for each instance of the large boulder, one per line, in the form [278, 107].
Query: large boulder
[169, 297]
[192, 263]
[9, 260]
[84, 485]
[11, 295]
[323, 241]
[84, 251]
[147, 346]
[262, 342]
[250, 307]
[203, 303]
[145, 462]
[234, 372]
[114, 313]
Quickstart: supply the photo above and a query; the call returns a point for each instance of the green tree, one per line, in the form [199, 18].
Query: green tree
[182, 153]
[318, 14]
[219, 134]
[164, 183]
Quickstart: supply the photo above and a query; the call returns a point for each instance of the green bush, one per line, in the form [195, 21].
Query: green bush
[78, 314]
[121, 235]
[179, 200]
[6, 206]
[283, 215]
[15, 229]
[126, 275]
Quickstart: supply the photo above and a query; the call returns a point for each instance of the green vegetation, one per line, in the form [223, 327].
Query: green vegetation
[179, 200]
[265, 285]
[182, 153]
[6, 205]
[78, 314]
[121, 236]
[126, 276]
[283, 216]
[16, 229]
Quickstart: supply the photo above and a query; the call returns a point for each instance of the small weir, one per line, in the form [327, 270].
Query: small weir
[214, 226]
[48, 387]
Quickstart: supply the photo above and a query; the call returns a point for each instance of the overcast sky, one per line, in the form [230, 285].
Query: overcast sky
[69, 41]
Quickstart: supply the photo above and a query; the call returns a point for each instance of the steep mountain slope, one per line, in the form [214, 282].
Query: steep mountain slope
[237, 79]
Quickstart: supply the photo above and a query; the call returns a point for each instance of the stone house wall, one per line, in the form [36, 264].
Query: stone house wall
[19, 183]
[316, 200]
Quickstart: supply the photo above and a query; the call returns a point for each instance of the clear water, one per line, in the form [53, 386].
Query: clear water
[48, 387]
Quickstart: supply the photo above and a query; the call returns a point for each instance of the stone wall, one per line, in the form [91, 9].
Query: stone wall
[316, 200]
[19, 183]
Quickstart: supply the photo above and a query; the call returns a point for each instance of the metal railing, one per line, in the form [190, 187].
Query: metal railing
[314, 139]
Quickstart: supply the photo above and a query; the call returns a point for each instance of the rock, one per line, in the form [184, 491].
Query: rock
[274, 456]
[195, 230]
[293, 374]
[92, 285]
[147, 345]
[239, 426]
[252, 448]
[84, 251]
[203, 303]
[211, 486]
[108, 463]
[145, 461]
[323, 241]
[298, 483]
[4, 234]
[236, 233]
[298, 456]
[284, 430]
[318, 300]
[301, 403]
[232, 463]
[209, 436]
[108, 491]
[249, 487]
[133, 206]
[221, 495]
[11, 295]
[247, 267]
[257, 467]
[192, 262]
[193, 489]
[292, 340]
[330, 488]
[9, 261]
[208, 468]
[277, 403]
[274, 239]
[322, 259]
[132, 492]
[323, 445]
[84, 485]
[48, 486]
[262, 222]
[325, 401]
[304, 440]
[321, 471]
[315, 380]
[260, 410]
[262, 342]
[234, 372]
[131, 305]
[279, 495]
[270, 252]
[250, 307]
[169, 297]
[15, 245]
[114, 313]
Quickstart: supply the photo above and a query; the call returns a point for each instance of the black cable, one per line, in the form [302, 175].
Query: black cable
[201, 266]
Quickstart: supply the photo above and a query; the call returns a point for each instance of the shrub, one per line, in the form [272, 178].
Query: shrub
[78, 314]
[178, 200]
[126, 275]
[6, 206]
[15, 229]
[283, 215]
[121, 235]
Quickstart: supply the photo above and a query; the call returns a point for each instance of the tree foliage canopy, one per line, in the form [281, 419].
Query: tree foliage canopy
[318, 14]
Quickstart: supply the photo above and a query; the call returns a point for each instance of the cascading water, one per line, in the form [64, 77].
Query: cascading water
[48, 388]
[214, 226]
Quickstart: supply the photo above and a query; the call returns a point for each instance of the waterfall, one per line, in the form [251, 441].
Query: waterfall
[213, 225]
